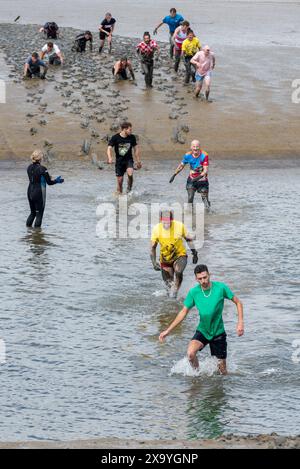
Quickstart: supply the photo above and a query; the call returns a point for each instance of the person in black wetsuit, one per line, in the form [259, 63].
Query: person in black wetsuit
[38, 178]
[81, 41]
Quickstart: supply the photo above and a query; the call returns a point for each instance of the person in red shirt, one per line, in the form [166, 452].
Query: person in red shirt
[146, 50]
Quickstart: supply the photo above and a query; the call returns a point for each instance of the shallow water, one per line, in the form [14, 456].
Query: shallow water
[226, 22]
[80, 316]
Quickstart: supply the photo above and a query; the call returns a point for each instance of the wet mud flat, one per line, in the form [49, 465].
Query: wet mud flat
[79, 106]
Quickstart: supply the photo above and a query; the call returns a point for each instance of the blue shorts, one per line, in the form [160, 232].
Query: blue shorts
[201, 77]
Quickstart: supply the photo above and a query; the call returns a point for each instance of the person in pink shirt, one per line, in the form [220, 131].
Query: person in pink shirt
[204, 62]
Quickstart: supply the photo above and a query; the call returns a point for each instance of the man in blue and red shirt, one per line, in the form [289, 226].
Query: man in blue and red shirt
[198, 177]
[146, 50]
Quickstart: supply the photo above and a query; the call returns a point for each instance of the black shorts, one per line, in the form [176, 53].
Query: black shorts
[122, 166]
[218, 344]
[199, 186]
[102, 36]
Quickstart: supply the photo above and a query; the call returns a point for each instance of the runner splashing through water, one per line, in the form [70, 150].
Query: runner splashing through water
[170, 234]
[198, 177]
[209, 298]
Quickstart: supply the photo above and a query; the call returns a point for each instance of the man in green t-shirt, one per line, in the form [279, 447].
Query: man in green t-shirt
[208, 297]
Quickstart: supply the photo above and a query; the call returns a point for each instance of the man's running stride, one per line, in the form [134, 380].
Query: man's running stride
[198, 177]
[209, 298]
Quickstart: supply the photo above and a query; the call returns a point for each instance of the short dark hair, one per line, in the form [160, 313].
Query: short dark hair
[146, 33]
[126, 125]
[190, 31]
[185, 23]
[50, 44]
[173, 10]
[88, 33]
[35, 55]
[200, 268]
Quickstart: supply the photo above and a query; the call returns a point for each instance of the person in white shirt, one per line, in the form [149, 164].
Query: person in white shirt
[53, 53]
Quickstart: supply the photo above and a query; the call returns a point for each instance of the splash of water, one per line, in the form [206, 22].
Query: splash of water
[207, 367]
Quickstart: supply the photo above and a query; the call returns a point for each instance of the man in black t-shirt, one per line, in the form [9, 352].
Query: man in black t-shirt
[105, 31]
[124, 143]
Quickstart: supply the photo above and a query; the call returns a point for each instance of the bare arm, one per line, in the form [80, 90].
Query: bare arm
[240, 313]
[179, 318]
[177, 170]
[155, 264]
[109, 154]
[157, 27]
[175, 33]
[137, 155]
[26, 67]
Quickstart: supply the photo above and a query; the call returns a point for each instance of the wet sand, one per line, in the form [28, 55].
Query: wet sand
[225, 442]
[251, 114]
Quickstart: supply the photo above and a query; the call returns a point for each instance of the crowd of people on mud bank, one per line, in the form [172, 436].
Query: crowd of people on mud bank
[170, 234]
[184, 45]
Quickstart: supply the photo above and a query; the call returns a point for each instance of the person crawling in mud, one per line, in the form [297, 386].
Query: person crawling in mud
[32, 67]
[120, 69]
[81, 41]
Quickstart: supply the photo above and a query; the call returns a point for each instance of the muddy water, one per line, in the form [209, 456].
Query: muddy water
[80, 316]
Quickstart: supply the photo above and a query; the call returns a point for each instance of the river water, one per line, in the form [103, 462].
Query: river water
[218, 23]
[80, 316]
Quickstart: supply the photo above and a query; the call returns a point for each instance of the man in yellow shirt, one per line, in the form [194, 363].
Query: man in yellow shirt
[170, 234]
[190, 46]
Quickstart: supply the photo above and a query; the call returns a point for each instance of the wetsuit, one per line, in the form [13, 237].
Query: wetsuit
[80, 42]
[38, 178]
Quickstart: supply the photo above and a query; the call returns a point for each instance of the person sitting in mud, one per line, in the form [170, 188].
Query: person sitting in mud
[50, 29]
[170, 234]
[120, 69]
[81, 40]
[32, 67]
[106, 29]
[53, 53]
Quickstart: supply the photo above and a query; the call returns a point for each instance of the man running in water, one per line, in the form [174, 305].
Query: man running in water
[32, 67]
[146, 50]
[204, 62]
[198, 177]
[173, 20]
[170, 234]
[38, 178]
[53, 53]
[120, 69]
[124, 143]
[180, 34]
[208, 297]
[105, 31]
[190, 46]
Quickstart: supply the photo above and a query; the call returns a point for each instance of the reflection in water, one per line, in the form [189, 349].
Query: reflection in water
[205, 406]
[38, 244]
